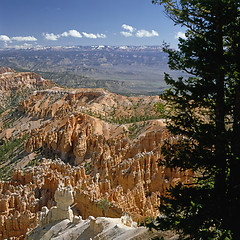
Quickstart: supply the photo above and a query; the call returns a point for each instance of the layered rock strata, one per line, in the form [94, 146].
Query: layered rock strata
[14, 81]
[15, 87]
[6, 70]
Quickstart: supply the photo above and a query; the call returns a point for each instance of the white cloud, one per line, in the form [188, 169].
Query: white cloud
[51, 36]
[65, 34]
[140, 33]
[144, 33]
[71, 33]
[128, 28]
[24, 46]
[4, 38]
[74, 33]
[180, 35]
[101, 35]
[24, 39]
[126, 34]
[7, 39]
[91, 35]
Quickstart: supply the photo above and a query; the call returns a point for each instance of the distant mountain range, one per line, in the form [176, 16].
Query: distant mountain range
[123, 69]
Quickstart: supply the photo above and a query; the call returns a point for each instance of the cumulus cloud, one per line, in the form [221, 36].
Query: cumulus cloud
[126, 34]
[101, 35]
[180, 35]
[91, 35]
[4, 38]
[145, 33]
[128, 28]
[129, 31]
[7, 40]
[51, 36]
[74, 33]
[55, 37]
[24, 39]
[65, 34]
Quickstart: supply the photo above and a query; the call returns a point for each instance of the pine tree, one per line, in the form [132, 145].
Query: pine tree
[206, 120]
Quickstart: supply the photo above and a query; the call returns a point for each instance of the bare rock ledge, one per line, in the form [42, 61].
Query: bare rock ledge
[58, 223]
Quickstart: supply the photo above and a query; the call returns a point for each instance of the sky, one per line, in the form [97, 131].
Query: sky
[31, 23]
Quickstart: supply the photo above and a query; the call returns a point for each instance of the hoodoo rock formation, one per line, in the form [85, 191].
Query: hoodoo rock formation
[106, 146]
[59, 223]
[24, 196]
[64, 199]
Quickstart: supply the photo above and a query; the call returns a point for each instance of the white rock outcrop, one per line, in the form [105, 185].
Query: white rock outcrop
[58, 223]
[64, 199]
[100, 228]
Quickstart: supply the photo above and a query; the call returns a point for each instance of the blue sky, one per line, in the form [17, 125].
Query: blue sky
[84, 22]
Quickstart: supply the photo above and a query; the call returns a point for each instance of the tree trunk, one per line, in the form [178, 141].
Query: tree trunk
[234, 192]
[220, 180]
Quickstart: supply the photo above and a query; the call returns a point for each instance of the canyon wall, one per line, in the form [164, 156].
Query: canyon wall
[109, 158]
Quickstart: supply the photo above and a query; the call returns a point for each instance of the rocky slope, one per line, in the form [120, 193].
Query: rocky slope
[14, 87]
[110, 145]
[6, 70]
[58, 222]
